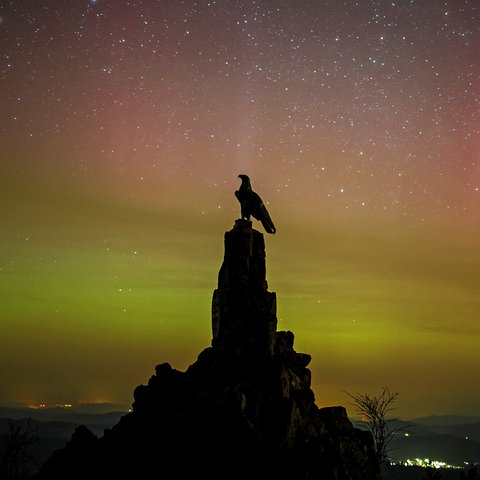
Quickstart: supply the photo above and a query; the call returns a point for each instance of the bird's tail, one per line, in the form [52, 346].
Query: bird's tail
[268, 225]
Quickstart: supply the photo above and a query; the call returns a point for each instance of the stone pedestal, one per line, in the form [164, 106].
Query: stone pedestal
[243, 310]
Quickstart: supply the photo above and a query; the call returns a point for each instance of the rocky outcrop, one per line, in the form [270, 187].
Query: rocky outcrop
[244, 410]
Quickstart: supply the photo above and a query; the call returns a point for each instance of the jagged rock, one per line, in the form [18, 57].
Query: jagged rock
[243, 410]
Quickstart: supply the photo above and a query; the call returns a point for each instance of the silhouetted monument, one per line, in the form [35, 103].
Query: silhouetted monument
[243, 410]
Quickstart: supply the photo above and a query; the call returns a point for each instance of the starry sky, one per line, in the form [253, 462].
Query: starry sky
[123, 127]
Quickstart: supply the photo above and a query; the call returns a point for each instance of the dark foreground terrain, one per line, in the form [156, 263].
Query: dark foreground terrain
[434, 438]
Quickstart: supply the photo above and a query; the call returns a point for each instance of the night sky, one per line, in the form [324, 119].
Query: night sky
[123, 128]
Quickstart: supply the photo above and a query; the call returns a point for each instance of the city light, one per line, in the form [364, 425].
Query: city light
[425, 463]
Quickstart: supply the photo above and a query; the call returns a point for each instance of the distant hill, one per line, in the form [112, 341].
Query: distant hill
[451, 439]
[444, 420]
[77, 413]
[55, 426]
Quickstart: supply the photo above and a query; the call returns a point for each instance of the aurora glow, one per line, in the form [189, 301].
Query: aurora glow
[123, 127]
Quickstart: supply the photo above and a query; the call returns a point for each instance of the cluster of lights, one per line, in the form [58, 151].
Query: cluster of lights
[425, 462]
[46, 405]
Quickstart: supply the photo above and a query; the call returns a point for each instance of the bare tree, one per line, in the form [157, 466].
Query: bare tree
[373, 411]
[18, 443]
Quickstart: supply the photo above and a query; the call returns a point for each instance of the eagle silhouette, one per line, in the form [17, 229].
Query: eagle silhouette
[252, 204]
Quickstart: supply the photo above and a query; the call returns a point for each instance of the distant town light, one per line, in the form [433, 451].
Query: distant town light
[426, 462]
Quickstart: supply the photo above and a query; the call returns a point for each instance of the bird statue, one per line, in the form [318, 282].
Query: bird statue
[252, 204]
